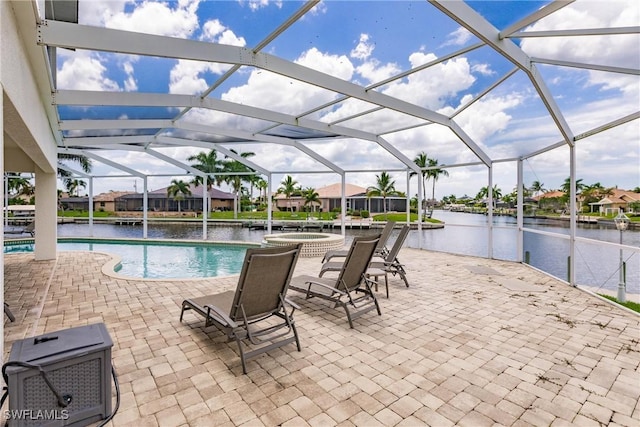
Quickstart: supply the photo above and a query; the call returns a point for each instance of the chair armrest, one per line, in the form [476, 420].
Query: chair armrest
[292, 304]
[217, 313]
[322, 285]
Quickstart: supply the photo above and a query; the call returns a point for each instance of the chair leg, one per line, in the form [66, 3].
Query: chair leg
[386, 283]
[242, 358]
[295, 334]
[182, 311]
[346, 309]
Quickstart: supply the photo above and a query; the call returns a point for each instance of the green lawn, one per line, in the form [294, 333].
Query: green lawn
[402, 217]
[629, 304]
[262, 216]
[85, 214]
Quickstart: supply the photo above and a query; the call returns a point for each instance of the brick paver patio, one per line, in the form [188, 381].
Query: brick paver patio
[472, 342]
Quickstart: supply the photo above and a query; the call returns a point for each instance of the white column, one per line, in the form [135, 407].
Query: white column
[91, 206]
[46, 230]
[420, 202]
[572, 211]
[343, 205]
[5, 203]
[408, 207]
[6, 190]
[269, 204]
[490, 214]
[205, 206]
[145, 206]
[520, 214]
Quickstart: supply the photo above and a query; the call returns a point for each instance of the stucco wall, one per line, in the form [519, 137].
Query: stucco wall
[26, 91]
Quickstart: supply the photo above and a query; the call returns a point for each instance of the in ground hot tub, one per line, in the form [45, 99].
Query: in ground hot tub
[313, 244]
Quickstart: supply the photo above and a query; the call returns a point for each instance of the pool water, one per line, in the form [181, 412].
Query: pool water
[159, 260]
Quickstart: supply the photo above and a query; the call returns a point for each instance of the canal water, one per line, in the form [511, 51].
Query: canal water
[597, 265]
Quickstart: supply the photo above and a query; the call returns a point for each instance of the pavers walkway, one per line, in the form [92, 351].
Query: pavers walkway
[472, 342]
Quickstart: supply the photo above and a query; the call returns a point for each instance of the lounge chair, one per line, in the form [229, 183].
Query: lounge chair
[351, 290]
[381, 266]
[8, 313]
[255, 314]
[381, 249]
[28, 229]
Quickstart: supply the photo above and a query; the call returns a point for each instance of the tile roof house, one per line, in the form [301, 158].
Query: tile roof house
[158, 200]
[330, 198]
[619, 201]
[101, 202]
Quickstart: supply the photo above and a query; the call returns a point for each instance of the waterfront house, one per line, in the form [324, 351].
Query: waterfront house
[330, 197]
[103, 202]
[618, 201]
[159, 201]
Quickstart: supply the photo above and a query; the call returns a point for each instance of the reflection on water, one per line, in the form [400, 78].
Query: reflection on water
[467, 234]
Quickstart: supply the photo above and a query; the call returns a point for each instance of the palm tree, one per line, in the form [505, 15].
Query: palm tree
[434, 173]
[210, 165]
[537, 187]
[422, 161]
[178, 189]
[484, 193]
[311, 197]
[566, 189]
[73, 186]
[594, 193]
[19, 186]
[384, 187]
[261, 185]
[66, 176]
[288, 187]
[237, 175]
[83, 161]
[566, 185]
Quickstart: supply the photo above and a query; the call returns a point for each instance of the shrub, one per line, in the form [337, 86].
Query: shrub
[364, 214]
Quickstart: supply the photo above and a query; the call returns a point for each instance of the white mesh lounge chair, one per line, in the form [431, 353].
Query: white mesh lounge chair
[381, 249]
[255, 314]
[28, 229]
[381, 266]
[351, 290]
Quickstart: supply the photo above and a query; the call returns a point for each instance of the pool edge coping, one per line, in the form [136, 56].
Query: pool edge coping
[109, 268]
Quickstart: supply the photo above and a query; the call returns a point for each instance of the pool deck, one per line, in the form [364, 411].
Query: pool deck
[472, 342]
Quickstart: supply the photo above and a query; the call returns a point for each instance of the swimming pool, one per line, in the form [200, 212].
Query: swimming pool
[157, 259]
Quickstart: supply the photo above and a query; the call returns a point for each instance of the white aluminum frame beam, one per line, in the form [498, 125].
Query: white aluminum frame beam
[536, 16]
[105, 161]
[583, 65]
[577, 33]
[74, 172]
[74, 36]
[75, 97]
[463, 14]
[114, 124]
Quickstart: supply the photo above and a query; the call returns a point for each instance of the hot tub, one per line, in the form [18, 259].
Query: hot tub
[313, 244]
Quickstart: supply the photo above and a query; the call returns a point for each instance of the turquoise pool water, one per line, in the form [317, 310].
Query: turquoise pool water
[158, 260]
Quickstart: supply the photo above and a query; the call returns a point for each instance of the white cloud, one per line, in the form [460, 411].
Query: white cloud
[83, 72]
[364, 49]
[430, 87]
[157, 18]
[484, 69]
[214, 31]
[130, 83]
[374, 71]
[186, 77]
[458, 38]
[260, 4]
[614, 50]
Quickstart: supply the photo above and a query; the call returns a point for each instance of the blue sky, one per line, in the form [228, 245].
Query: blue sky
[368, 41]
